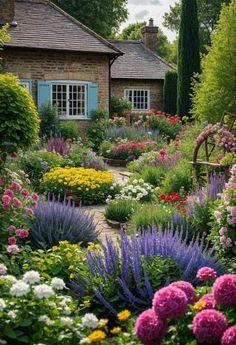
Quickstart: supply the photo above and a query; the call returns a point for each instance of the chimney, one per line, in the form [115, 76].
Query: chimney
[149, 35]
[7, 11]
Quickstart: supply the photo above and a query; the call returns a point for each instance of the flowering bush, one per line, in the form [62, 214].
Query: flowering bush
[138, 190]
[212, 315]
[117, 121]
[16, 202]
[140, 134]
[223, 233]
[88, 186]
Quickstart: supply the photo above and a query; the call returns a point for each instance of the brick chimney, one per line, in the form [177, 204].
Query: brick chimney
[7, 11]
[149, 36]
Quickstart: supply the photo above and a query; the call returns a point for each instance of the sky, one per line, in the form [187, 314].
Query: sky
[143, 10]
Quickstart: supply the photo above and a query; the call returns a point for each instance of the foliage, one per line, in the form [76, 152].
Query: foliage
[116, 133]
[88, 186]
[117, 122]
[119, 106]
[179, 177]
[19, 118]
[49, 124]
[16, 205]
[120, 210]
[4, 37]
[93, 161]
[118, 275]
[142, 161]
[69, 129]
[215, 93]
[170, 92]
[152, 175]
[103, 18]
[54, 222]
[188, 55]
[228, 159]
[97, 129]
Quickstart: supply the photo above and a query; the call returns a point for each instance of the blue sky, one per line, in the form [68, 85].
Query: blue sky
[142, 10]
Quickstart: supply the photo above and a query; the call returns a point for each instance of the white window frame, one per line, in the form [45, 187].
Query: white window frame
[68, 83]
[26, 84]
[137, 89]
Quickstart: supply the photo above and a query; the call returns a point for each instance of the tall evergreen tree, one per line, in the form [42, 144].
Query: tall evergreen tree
[188, 54]
[170, 92]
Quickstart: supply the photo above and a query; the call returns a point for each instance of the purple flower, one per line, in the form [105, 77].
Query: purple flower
[206, 273]
[224, 289]
[229, 336]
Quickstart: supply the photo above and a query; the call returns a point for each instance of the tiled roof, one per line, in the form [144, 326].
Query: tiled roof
[43, 25]
[138, 62]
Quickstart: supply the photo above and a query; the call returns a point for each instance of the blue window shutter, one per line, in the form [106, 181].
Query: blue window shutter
[92, 98]
[44, 93]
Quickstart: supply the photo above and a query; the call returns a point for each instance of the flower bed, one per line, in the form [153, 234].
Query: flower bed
[87, 186]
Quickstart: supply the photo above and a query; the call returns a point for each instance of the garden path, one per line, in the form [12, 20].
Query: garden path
[121, 176]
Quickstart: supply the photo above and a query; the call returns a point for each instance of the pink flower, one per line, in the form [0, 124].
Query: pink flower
[233, 170]
[6, 206]
[29, 211]
[15, 185]
[206, 273]
[210, 301]
[222, 231]
[229, 336]
[13, 249]
[170, 302]
[6, 199]
[217, 215]
[209, 326]
[1, 182]
[22, 233]
[149, 328]
[34, 196]
[35, 203]
[224, 289]
[3, 269]
[24, 192]
[11, 228]
[9, 192]
[187, 288]
[11, 240]
[17, 203]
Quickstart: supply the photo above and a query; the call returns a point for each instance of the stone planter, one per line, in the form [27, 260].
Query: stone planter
[116, 162]
[115, 225]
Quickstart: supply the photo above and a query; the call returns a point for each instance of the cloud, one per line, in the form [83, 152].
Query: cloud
[144, 3]
[141, 15]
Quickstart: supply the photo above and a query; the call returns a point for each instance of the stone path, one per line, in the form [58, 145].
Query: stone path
[121, 176]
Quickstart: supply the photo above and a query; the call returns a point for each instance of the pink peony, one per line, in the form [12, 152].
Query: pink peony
[29, 211]
[15, 185]
[24, 192]
[3, 269]
[6, 199]
[34, 196]
[11, 240]
[224, 289]
[6, 206]
[149, 328]
[170, 302]
[22, 233]
[209, 326]
[17, 203]
[229, 336]
[187, 288]
[13, 249]
[9, 192]
[210, 301]
[206, 273]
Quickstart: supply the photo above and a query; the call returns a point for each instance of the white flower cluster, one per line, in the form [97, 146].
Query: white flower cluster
[137, 190]
[90, 320]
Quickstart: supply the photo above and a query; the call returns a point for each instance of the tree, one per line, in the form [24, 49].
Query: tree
[216, 91]
[170, 92]
[4, 37]
[188, 55]
[102, 16]
[208, 15]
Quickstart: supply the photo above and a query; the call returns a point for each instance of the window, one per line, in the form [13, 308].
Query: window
[70, 99]
[27, 84]
[140, 99]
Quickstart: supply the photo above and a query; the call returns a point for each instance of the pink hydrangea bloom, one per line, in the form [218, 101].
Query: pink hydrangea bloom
[229, 336]
[22, 233]
[12, 240]
[34, 196]
[210, 301]
[24, 192]
[13, 249]
[17, 203]
[3, 269]
[9, 192]
[224, 289]
[206, 273]
[209, 326]
[149, 328]
[187, 288]
[170, 302]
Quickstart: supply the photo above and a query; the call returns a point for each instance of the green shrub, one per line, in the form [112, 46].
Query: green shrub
[19, 125]
[170, 92]
[178, 178]
[163, 125]
[152, 175]
[119, 106]
[49, 125]
[69, 129]
[229, 159]
[97, 129]
[120, 210]
[76, 157]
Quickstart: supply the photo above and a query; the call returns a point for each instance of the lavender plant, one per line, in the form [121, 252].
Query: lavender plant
[114, 133]
[119, 273]
[57, 145]
[54, 222]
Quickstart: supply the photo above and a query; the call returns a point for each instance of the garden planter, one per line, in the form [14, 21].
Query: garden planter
[116, 225]
[116, 162]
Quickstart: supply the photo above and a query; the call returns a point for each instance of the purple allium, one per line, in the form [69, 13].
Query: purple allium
[149, 328]
[170, 302]
[209, 326]
[210, 301]
[187, 288]
[229, 336]
[224, 289]
[206, 273]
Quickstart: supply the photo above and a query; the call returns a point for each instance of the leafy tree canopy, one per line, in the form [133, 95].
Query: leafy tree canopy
[102, 16]
[208, 15]
[4, 37]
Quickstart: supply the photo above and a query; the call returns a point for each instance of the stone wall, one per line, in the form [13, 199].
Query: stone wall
[155, 86]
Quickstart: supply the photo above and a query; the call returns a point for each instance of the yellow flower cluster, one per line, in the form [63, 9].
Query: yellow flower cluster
[123, 315]
[81, 178]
